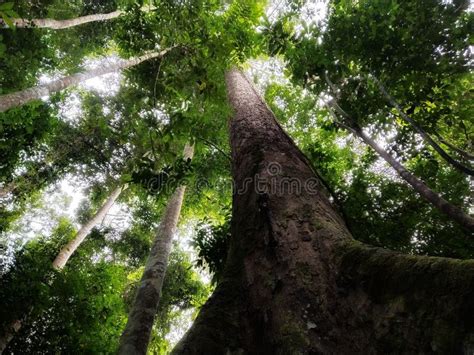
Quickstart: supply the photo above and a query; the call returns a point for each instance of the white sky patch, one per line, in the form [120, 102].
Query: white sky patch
[184, 236]
[179, 326]
[119, 218]
[275, 9]
[159, 114]
[70, 110]
[60, 200]
[265, 71]
[106, 85]
[313, 12]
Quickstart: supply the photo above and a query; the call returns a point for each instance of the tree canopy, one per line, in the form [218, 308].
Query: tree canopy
[400, 71]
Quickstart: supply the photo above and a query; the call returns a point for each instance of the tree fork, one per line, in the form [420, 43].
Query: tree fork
[296, 282]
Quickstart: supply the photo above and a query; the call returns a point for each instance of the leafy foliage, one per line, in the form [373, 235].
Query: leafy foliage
[135, 135]
[212, 243]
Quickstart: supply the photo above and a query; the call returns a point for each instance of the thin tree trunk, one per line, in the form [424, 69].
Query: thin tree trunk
[62, 24]
[450, 210]
[22, 97]
[295, 282]
[421, 131]
[66, 252]
[63, 256]
[445, 207]
[462, 153]
[136, 335]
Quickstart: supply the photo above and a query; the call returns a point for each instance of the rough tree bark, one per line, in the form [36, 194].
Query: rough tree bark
[62, 24]
[295, 281]
[22, 97]
[66, 252]
[136, 335]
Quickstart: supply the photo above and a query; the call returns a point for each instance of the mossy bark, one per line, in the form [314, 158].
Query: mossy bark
[296, 282]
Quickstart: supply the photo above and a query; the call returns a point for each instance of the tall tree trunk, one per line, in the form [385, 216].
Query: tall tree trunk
[467, 156]
[450, 210]
[62, 24]
[66, 252]
[136, 335]
[22, 97]
[63, 256]
[295, 281]
[426, 137]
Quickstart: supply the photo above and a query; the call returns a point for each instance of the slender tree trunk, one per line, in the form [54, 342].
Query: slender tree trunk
[22, 97]
[66, 252]
[426, 137]
[462, 153]
[450, 210]
[136, 335]
[62, 24]
[295, 282]
[63, 256]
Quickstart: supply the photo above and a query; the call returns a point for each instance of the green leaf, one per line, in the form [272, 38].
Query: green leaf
[7, 20]
[6, 6]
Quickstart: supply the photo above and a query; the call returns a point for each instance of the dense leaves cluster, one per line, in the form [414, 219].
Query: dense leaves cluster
[134, 135]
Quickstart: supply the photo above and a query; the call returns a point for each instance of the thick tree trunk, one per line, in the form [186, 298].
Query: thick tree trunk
[426, 137]
[296, 282]
[22, 97]
[136, 335]
[69, 249]
[62, 24]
